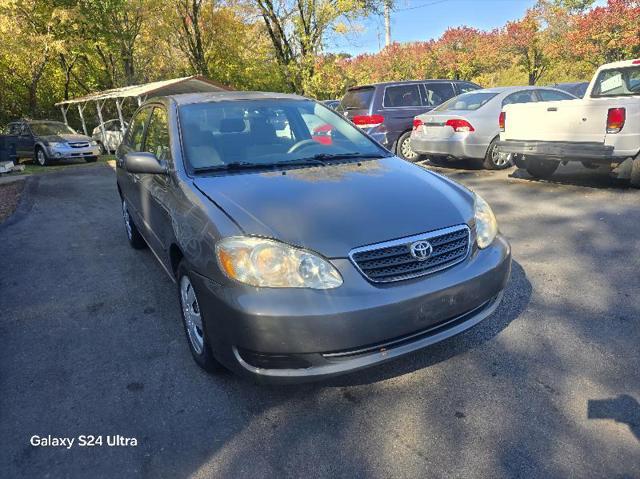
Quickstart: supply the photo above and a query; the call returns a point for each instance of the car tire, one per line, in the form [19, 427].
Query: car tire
[403, 148]
[91, 159]
[634, 179]
[40, 156]
[520, 161]
[539, 168]
[133, 235]
[192, 320]
[494, 160]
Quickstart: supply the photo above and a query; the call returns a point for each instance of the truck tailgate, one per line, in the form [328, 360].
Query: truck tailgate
[570, 120]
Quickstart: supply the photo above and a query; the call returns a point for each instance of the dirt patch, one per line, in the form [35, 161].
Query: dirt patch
[9, 197]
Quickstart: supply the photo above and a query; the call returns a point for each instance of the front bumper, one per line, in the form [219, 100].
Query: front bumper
[561, 150]
[67, 152]
[458, 146]
[282, 335]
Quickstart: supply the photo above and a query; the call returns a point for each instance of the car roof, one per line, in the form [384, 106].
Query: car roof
[188, 98]
[408, 82]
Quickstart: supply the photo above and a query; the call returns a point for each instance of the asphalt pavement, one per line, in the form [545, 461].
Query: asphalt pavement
[549, 386]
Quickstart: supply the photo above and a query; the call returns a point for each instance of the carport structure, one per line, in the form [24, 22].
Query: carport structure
[190, 84]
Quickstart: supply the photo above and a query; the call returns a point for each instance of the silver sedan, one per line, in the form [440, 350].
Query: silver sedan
[467, 126]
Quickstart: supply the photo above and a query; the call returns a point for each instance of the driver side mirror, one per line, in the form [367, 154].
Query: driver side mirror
[143, 162]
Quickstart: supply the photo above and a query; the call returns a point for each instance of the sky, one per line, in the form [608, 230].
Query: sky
[416, 20]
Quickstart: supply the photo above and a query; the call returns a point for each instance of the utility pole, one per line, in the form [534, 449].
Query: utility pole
[387, 22]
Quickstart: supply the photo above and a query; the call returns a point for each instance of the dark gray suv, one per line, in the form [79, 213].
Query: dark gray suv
[386, 110]
[301, 248]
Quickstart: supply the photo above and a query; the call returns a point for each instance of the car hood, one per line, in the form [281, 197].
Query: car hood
[334, 208]
[65, 137]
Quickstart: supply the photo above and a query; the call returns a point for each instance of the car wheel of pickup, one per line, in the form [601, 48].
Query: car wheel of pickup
[193, 322]
[403, 148]
[539, 168]
[133, 235]
[495, 159]
[634, 179]
[41, 156]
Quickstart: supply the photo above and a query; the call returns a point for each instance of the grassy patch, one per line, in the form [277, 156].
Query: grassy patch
[9, 197]
[31, 168]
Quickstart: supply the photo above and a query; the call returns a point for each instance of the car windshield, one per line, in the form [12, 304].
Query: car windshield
[467, 101]
[259, 133]
[617, 82]
[50, 128]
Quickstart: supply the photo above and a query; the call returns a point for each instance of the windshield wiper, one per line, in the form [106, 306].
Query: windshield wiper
[235, 165]
[322, 157]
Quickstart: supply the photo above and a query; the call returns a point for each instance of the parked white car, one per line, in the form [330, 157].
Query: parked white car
[112, 135]
[466, 127]
[603, 128]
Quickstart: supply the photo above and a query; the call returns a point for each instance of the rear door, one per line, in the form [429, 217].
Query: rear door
[25, 142]
[400, 104]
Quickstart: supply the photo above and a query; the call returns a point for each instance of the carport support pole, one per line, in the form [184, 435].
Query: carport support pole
[64, 114]
[81, 113]
[119, 107]
[99, 108]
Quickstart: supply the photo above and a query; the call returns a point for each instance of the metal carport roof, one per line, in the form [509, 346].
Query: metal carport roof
[190, 84]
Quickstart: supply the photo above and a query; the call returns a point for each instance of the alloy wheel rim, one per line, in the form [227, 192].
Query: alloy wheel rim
[41, 157]
[499, 158]
[405, 149]
[127, 220]
[191, 314]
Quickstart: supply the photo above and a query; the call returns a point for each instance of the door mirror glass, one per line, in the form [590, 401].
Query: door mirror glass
[144, 162]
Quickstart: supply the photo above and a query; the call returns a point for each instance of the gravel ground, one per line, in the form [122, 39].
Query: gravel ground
[547, 387]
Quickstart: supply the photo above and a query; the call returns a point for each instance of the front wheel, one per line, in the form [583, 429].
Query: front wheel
[539, 168]
[41, 156]
[133, 235]
[403, 148]
[193, 322]
[495, 159]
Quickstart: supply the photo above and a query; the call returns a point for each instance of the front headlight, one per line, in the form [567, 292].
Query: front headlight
[94, 143]
[270, 263]
[56, 144]
[486, 224]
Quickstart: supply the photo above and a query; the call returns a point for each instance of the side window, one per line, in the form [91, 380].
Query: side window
[135, 134]
[466, 87]
[401, 95]
[14, 129]
[525, 96]
[437, 93]
[551, 95]
[157, 141]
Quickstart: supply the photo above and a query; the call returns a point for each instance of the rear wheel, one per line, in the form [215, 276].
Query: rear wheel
[403, 148]
[41, 156]
[634, 179]
[193, 322]
[495, 159]
[540, 168]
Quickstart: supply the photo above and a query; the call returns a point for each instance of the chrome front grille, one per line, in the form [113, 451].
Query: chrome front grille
[394, 261]
[79, 144]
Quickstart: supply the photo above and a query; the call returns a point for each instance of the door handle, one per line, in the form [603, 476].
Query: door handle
[552, 108]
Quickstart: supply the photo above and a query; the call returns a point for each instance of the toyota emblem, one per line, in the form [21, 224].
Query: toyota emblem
[421, 250]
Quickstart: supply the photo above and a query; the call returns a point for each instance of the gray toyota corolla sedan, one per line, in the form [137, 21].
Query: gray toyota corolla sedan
[300, 247]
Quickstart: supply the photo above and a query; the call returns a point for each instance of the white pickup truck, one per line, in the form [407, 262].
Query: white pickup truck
[601, 128]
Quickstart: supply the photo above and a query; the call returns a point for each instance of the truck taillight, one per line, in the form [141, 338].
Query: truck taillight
[615, 119]
[460, 125]
[417, 123]
[368, 121]
[502, 119]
